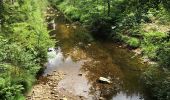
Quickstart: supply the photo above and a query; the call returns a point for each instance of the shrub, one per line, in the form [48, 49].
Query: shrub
[164, 55]
[24, 41]
[152, 42]
[133, 42]
[158, 82]
[150, 50]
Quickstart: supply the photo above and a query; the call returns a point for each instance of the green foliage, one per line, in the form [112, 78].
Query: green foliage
[151, 75]
[8, 90]
[152, 42]
[159, 83]
[91, 13]
[24, 41]
[164, 55]
[151, 51]
[133, 42]
[156, 46]
[101, 15]
[130, 41]
[71, 11]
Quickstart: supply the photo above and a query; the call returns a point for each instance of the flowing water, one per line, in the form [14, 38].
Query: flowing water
[84, 63]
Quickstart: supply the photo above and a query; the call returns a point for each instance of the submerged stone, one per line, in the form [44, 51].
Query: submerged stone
[63, 99]
[80, 74]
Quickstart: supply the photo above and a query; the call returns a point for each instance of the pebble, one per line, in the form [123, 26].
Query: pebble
[101, 98]
[89, 44]
[63, 99]
[56, 95]
[80, 74]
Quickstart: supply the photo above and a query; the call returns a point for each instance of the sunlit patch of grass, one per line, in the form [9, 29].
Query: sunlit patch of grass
[155, 27]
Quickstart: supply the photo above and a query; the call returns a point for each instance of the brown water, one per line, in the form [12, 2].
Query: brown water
[84, 63]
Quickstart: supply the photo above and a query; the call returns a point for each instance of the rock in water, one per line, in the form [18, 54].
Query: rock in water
[104, 80]
[101, 98]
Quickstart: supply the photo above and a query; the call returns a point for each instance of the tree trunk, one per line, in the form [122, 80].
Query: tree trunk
[108, 7]
[1, 12]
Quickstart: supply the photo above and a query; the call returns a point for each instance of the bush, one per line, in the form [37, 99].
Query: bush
[151, 44]
[150, 50]
[130, 41]
[9, 91]
[158, 82]
[164, 55]
[24, 41]
[133, 42]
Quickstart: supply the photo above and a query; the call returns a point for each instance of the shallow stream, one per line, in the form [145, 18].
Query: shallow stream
[84, 63]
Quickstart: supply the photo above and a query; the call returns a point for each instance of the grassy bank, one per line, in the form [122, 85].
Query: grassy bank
[24, 41]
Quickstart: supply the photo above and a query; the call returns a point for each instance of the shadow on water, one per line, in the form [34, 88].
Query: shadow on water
[85, 63]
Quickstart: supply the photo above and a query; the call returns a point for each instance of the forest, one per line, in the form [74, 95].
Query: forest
[139, 25]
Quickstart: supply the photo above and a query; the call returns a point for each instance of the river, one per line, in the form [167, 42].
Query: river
[83, 64]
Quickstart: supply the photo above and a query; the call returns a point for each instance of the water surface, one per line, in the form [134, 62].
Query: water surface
[84, 63]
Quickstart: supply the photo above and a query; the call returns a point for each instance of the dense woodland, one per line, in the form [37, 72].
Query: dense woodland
[24, 38]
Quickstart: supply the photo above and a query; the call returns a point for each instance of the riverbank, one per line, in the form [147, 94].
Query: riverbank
[24, 40]
[46, 89]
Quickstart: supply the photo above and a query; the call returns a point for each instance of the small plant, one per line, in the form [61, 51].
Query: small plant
[133, 42]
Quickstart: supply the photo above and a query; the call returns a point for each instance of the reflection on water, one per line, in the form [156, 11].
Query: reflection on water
[84, 64]
[81, 74]
[55, 59]
[74, 81]
[124, 96]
